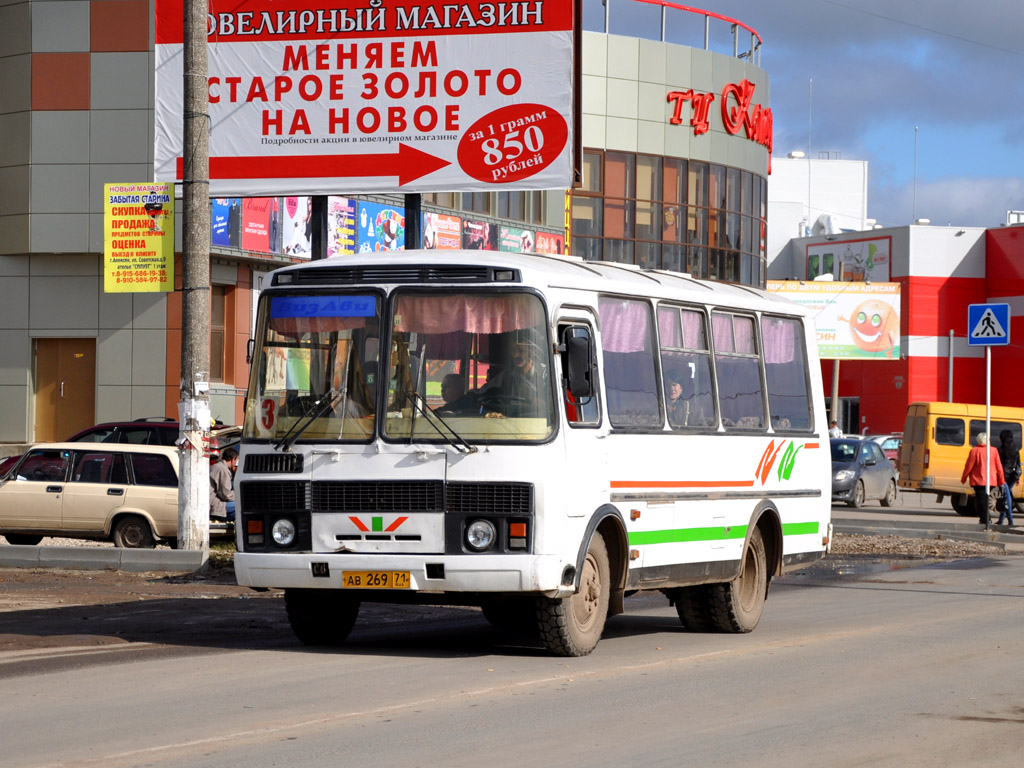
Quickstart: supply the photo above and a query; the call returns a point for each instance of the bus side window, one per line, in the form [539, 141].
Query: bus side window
[579, 411]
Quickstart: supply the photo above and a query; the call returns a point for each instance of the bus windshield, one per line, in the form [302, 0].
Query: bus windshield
[318, 356]
[479, 361]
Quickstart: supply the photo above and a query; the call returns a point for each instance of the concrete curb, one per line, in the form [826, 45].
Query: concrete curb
[104, 558]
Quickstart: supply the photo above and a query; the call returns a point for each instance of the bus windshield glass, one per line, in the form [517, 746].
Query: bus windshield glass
[317, 362]
[475, 364]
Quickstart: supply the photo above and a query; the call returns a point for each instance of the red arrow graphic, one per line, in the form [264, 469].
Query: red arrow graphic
[408, 164]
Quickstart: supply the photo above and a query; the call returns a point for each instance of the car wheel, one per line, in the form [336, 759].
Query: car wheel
[890, 495]
[23, 539]
[963, 504]
[857, 500]
[132, 532]
[572, 626]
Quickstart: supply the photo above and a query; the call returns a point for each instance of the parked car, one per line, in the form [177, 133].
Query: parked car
[861, 472]
[152, 431]
[890, 445]
[120, 492]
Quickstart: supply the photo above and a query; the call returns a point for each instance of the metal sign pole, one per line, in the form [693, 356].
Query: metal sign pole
[988, 430]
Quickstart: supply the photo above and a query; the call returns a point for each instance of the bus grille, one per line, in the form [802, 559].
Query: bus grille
[389, 496]
[397, 274]
[369, 496]
[273, 462]
[274, 496]
[490, 498]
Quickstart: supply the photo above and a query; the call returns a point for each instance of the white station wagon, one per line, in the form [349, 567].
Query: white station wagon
[124, 493]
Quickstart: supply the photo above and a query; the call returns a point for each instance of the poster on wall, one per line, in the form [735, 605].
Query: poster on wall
[341, 226]
[441, 231]
[479, 235]
[138, 238]
[297, 228]
[261, 224]
[220, 208]
[381, 228]
[854, 320]
[548, 242]
[516, 240]
[851, 260]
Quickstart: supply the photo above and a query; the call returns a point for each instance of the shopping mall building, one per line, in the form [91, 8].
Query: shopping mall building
[676, 136]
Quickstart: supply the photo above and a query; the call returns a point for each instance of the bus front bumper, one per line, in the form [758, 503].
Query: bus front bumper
[508, 574]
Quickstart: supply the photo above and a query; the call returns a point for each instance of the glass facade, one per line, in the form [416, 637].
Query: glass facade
[671, 213]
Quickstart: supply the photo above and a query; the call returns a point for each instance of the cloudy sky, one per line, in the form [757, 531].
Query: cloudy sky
[952, 68]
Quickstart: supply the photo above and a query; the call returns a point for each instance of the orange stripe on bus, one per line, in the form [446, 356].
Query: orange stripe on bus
[682, 483]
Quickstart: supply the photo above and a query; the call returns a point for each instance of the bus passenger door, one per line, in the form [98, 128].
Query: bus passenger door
[584, 427]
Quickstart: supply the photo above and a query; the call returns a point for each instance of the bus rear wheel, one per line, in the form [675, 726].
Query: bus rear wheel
[736, 606]
[572, 626]
[320, 616]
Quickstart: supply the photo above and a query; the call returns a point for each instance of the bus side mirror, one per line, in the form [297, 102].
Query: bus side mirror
[248, 351]
[577, 350]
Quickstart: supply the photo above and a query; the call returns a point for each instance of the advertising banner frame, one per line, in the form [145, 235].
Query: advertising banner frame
[313, 97]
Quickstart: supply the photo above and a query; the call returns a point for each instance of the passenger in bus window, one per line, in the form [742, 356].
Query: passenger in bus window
[678, 406]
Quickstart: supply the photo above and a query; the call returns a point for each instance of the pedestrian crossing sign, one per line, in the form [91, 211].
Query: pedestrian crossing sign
[988, 325]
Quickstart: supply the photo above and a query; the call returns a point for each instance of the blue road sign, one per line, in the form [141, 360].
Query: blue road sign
[988, 325]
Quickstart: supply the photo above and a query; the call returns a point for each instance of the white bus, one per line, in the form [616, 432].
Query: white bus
[537, 435]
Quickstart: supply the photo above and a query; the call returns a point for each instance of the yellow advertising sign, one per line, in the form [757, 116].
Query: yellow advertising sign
[138, 238]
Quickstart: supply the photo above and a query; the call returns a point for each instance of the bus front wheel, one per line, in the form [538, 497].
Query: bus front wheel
[572, 626]
[736, 605]
[320, 616]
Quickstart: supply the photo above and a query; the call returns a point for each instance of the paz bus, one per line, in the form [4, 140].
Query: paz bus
[539, 436]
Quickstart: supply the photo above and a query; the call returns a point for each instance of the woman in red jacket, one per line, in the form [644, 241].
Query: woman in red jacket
[974, 474]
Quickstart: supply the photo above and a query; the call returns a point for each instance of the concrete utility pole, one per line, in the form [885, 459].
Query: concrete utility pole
[194, 405]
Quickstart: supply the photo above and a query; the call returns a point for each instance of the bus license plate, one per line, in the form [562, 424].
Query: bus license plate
[375, 579]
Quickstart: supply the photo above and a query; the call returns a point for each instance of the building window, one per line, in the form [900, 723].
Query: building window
[218, 314]
[671, 213]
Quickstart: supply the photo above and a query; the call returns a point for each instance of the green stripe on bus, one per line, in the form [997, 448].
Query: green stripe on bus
[378, 524]
[799, 529]
[684, 535]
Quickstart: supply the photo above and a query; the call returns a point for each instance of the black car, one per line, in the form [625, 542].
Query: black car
[151, 431]
[860, 471]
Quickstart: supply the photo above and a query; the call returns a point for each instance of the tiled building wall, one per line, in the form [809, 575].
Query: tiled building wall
[75, 113]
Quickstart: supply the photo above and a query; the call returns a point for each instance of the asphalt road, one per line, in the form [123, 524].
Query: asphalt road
[860, 663]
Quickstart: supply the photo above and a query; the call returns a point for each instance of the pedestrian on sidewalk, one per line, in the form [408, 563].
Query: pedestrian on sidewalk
[1009, 456]
[975, 474]
[834, 430]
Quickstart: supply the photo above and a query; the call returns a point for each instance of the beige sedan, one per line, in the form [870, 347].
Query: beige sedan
[124, 493]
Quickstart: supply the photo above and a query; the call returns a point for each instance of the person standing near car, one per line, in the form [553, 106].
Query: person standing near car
[834, 430]
[222, 492]
[975, 474]
[1009, 456]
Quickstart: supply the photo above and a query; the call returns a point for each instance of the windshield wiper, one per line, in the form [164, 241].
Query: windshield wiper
[319, 407]
[456, 441]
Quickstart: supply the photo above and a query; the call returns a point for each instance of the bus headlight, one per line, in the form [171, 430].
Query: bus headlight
[480, 535]
[283, 532]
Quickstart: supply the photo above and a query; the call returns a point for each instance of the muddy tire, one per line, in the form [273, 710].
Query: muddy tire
[132, 532]
[572, 626]
[320, 616]
[890, 494]
[736, 606]
[693, 605]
